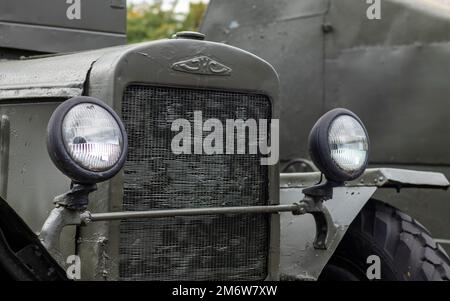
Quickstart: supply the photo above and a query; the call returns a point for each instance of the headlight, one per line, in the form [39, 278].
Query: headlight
[86, 140]
[339, 145]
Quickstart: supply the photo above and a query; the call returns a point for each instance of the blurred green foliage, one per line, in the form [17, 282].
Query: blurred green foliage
[151, 22]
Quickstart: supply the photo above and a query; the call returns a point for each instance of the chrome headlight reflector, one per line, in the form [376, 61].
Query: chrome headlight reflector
[92, 137]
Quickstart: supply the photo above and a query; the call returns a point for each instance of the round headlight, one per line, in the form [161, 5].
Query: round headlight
[339, 145]
[86, 140]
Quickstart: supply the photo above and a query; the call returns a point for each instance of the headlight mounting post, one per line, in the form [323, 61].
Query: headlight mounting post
[70, 210]
[323, 141]
[77, 198]
[313, 204]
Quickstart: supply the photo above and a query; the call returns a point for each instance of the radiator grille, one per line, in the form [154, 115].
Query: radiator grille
[216, 247]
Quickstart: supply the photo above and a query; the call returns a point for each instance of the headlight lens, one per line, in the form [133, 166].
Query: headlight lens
[339, 145]
[348, 143]
[92, 137]
[86, 140]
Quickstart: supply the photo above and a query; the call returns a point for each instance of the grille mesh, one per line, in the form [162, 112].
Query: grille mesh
[216, 247]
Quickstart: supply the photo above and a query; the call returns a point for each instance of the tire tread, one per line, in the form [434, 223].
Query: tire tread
[416, 241]
[403, 244]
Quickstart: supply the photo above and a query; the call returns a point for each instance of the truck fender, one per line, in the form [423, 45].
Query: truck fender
[299, 259]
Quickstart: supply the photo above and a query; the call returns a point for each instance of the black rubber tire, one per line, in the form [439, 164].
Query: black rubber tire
[406, 249]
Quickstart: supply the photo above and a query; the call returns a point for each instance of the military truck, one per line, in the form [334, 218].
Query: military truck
[90, 181]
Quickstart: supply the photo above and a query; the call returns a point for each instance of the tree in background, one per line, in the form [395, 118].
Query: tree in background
[194, 18]
[151, 22]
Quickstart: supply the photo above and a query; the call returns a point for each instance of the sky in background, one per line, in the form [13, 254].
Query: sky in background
[182, 7]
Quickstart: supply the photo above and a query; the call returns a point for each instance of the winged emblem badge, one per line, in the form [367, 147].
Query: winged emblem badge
[202, 65]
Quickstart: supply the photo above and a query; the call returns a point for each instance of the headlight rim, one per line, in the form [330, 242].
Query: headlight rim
[320, 151]
[60, 155]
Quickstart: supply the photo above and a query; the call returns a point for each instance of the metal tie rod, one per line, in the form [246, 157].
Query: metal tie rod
[93, 217]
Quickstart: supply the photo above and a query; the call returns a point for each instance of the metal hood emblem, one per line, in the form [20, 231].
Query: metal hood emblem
[202, 65]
